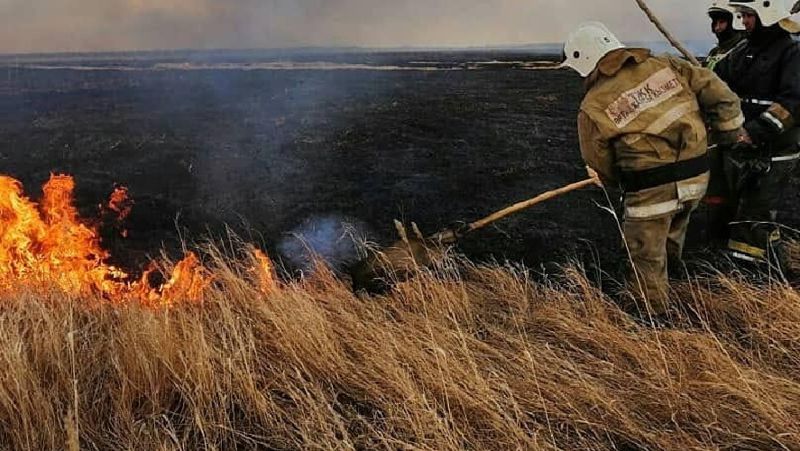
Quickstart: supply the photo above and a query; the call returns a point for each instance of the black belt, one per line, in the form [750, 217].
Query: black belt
[633, 181]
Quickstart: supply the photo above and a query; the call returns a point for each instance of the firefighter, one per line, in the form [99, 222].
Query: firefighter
[727, 26]
[641, 124]
[765, 73]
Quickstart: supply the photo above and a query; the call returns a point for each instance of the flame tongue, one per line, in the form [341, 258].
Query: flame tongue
[22, 231]
[71, 250]
[188, 281]
[264, 270]
[120, 203]
[49, 244]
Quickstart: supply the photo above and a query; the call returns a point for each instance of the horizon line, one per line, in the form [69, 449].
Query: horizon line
[307, 48]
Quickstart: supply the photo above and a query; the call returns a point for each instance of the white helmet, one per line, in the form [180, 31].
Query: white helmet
[587, 45]
[724, 6]
[771, 12]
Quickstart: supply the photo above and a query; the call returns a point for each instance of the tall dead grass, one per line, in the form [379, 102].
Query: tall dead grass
[462, 357]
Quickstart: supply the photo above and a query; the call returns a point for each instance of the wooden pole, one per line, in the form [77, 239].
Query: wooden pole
[450, 236]
[675, 43]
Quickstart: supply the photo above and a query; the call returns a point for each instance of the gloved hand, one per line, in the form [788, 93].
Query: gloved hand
[595, 176]
[757, 165]
[733, 137]
[745, 148]
[459, 229]
[759, 131]
[757, 159]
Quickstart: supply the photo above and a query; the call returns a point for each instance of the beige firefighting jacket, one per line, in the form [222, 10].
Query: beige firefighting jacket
[642, 112]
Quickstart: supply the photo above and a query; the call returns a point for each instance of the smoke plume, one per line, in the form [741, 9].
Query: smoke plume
[96, 25]
[334, 239]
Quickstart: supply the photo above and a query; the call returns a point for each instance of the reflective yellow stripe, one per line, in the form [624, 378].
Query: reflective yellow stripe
[693, 188]
[732, 124]
[663, 122]
[650, 211]
[747, 249]
[693, 191]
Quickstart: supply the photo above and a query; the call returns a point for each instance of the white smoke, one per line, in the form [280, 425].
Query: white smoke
[337, 240]
[96, 25]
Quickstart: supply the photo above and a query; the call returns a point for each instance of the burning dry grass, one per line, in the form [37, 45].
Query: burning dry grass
[463, 357]
[48, 243]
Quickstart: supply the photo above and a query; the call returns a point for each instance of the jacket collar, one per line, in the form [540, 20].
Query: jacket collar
[613, 62]
[765, 36]
[732, 41]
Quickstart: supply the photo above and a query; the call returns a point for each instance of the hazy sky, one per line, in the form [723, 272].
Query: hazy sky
[92, 25]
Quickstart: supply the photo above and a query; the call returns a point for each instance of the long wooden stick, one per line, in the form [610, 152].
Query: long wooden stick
[675, 43]
[450, 236]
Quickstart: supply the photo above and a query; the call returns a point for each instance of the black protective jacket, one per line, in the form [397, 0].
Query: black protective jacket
[765, 73]
[729, 42]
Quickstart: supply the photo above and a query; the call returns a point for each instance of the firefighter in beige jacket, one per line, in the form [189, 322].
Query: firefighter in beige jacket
[641, 124]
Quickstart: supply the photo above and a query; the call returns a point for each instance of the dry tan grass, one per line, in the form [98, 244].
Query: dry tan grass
[463, 357]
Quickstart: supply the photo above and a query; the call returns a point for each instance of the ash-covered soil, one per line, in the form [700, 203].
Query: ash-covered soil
[267, 151]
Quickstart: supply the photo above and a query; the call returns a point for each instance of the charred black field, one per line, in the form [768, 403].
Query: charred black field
[279, 144]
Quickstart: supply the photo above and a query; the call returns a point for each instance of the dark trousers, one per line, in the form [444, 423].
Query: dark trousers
[755, 186]
[719, 206]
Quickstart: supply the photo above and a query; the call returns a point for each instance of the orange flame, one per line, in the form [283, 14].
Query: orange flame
[264, 270]
[189, 280]
[121, 204]
[48, 244]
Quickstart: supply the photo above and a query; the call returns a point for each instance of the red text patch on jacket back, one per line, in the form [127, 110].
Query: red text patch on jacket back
[657, 89]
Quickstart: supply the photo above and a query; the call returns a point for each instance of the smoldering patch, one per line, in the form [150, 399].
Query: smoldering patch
[337, 240]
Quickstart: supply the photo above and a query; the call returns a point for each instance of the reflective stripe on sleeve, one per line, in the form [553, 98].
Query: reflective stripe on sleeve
[758, 102]
[786, 158]
[767, 116]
